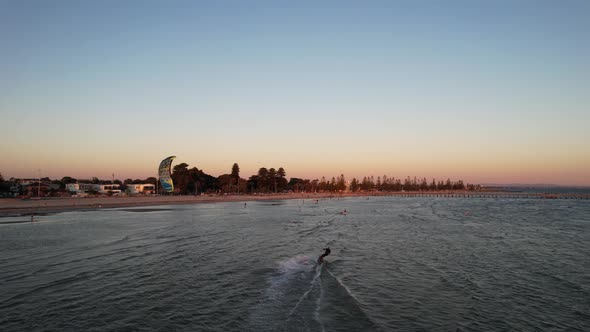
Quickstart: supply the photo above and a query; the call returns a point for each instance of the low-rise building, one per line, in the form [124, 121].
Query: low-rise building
[141, 188]
[112, 188]
[73, 187]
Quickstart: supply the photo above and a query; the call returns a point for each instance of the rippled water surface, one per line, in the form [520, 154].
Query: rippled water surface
[407, 264]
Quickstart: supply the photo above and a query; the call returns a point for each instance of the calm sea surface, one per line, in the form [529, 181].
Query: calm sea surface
[397, 264]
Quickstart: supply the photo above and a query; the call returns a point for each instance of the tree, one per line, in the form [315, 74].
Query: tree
[202, 182]
[235, 171]
[4, 185]
[180, 178]
[253, 183]
[225, 182]
[296, 184]
[235, 174]
[398, 185]
[459, 185]
[341, 183]
[67, 180]
[194, 183]
[150, 180]
[263, 180]
[365, 184]
[354, 185]
[281, 180]
[311, 186]
[323, 185]
[272, 175]
[424, 185]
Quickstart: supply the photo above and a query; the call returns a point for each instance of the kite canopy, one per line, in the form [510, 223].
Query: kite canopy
[164, 173]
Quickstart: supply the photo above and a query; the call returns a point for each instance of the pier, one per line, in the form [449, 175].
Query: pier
[497, 195]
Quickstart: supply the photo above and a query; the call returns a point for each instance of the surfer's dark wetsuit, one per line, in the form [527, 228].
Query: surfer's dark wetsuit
[326, 253]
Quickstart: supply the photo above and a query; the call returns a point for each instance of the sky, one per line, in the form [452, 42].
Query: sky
[483, 91]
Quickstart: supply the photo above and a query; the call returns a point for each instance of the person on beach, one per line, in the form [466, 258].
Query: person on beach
[326, 253]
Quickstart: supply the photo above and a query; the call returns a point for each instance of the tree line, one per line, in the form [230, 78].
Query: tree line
[386, 183]
[195, 181]
[269, 180]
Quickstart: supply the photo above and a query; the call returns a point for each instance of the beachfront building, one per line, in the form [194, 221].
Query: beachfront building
[73, 187]
[80, 188]
[140, 188]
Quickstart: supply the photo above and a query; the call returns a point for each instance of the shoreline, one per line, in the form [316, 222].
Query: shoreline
[13, 207]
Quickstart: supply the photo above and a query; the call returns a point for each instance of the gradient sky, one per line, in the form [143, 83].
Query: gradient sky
[484, 91]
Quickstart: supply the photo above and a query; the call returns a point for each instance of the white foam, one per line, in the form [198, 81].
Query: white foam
[295, 264]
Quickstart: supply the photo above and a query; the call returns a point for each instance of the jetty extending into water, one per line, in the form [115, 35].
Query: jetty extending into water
[499, 195]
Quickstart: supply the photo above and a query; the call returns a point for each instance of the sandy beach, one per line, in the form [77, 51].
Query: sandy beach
[16, 207]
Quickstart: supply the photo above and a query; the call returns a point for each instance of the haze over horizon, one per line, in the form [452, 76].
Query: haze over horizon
[485, 92]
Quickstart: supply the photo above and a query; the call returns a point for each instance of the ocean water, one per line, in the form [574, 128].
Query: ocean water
[397, 264]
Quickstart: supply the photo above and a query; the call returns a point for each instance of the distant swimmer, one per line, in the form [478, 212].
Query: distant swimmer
[326, 253]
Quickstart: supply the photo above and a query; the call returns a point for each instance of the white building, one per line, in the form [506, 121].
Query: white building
[99, 188]
[141, 188]
[73, 187]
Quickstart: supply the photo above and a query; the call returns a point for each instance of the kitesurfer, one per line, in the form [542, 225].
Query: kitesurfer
[326, 253]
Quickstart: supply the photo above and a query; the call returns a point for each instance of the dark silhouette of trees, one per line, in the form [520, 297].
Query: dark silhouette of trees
[235, 174]
[192, 181]
[296, 184]
[281, 179]
[272, 174]
[354, 185]
[271, 180]
[231, 183]
[180, 178]
[235, 171]
[268, 180]
[68, 180]
[263, 183]
[411, 184]
[225, 182]
[385, 183]
[340, 183]
[202, 182]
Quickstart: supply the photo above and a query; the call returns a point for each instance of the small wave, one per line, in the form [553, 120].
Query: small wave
[49, 286]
